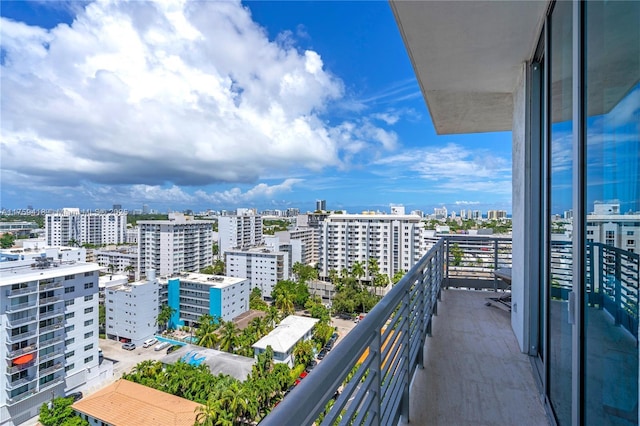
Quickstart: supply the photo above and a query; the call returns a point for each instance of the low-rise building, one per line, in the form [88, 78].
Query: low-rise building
[219, 362]
[126, 403]
[132, 309]
[192, 295]
[285, 336]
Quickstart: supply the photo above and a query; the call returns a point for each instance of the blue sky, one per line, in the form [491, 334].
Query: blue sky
[219, 105]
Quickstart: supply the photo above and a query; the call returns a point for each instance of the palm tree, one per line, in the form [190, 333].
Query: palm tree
[164, 316]
[209, 340]
[357, 270]
[374, 267]
[111, 268]
[130, 269]
[285, 304]
[273, 317]
[209, 413]
[229, 337]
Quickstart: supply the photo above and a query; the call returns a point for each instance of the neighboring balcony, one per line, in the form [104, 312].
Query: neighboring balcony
[436, 350]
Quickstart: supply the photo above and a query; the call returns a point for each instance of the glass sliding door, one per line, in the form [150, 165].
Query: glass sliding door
[612, 212]
[559, 259]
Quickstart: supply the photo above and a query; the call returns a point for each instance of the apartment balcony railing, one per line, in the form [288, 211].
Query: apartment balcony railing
[51, 313]
[21, 291]
[51, 341]
[51, 369]
[20, 367]
[49, 300]
[375, 365]
[380, 358]
[17, 383]
[22, 336]
[22, 351]
[612, 280]
[50, 355]
[21, 306]
[29, 391]
[50, 286]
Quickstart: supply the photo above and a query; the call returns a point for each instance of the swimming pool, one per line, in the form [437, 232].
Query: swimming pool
[174, 342]
[190, 339]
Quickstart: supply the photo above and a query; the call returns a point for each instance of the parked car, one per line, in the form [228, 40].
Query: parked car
[172, 348]
[329, 345]
[129, 346]
[77, 396]
[311, 365]
[322, 353]
[149, 342]
[161, 346]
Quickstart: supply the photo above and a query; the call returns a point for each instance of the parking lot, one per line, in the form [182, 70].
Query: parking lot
[125, 360]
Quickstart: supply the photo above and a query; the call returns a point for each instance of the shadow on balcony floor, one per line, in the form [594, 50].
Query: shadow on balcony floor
[474, 371]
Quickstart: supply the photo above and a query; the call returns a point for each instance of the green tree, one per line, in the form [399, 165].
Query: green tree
[398, 276]
[374, 267]
[130, 269]
[164, 316]
[457, 253]
[60, 413]
[6, 240]
[357, 270]
[285, 304]
[304, 273]
[256, 302]
[303, 352]
[229, 336]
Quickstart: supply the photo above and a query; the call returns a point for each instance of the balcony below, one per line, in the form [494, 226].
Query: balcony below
[474, 372]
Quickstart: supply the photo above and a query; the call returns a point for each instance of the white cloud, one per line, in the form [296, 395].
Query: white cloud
[466, 203]
[182, 93]
[451, 168]
[236, 196]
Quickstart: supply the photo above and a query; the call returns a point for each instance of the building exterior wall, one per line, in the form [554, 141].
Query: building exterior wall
[50, 333]
[238, 231]
[131, 310]
[262, 267]
[174, 245]
[85, 228]
[394, 240]
[192, 295]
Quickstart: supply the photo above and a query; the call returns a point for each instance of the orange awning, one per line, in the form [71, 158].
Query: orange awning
[23, 359]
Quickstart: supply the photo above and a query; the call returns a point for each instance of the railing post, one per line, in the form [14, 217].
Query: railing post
[495, 264]
[376, 369]
[446, 260]
[618, 288]
[406, 350]
[600, 279]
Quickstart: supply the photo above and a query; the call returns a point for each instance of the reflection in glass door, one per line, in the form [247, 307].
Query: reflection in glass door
[612, 212]
[559, 209]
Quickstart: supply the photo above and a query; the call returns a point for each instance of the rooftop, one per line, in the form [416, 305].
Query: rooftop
[218, 362]
[217, 281]
[126, 403]
[286, 334]
[10, 275]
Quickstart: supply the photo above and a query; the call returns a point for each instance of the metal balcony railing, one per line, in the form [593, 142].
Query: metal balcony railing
[22, 351]
[17, 368]
[22, 336]
[376, 363]
[21, 291]
[612, 276]
[21, 306]
[16, 322]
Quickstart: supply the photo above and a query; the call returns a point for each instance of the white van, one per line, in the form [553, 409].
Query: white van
[149, 342]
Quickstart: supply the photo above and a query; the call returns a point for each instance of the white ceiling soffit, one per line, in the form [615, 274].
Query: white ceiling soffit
[468, 56]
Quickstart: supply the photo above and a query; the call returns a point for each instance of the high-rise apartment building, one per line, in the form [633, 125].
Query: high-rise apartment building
[321, 205]
[244, 229]
[180, 243]
[261, 265]
[49, 333]
[71, 225]
[496, 214]
[394, 240]
[608, 226]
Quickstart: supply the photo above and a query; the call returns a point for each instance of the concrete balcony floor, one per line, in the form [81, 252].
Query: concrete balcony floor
[474, 372]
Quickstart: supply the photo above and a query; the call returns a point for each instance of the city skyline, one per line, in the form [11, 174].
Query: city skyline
[139, 103]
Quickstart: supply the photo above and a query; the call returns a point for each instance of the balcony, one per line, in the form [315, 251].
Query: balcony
[17, 383]
[22, 351]
[22, 336]
[21, 306]
[432, 352]
[17, 322]
[20, 291]
[462, 366]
